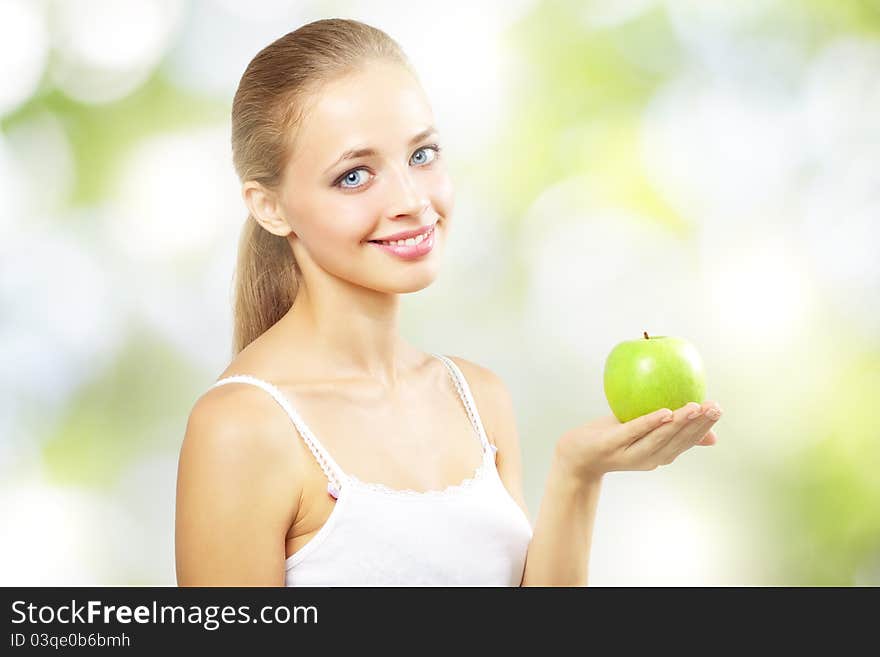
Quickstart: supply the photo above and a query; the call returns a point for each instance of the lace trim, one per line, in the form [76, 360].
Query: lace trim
[324, 460]
[457, 377]
[337, 478]
[480, 473]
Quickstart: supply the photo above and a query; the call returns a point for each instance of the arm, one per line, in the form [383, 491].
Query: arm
[234, 500]
[560, 549]
[562, 537]
[559, 553]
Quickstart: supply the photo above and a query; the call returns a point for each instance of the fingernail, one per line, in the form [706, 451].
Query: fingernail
[713, 414]
[696, 413]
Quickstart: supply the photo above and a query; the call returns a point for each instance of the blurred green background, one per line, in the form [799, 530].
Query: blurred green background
[703, 169]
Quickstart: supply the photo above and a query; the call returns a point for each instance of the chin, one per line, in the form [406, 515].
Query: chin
[413, 284]
[405, 281]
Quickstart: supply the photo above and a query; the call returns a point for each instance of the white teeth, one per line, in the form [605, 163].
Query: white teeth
[412, 241]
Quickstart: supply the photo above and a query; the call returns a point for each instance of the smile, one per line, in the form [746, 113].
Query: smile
[410, 248]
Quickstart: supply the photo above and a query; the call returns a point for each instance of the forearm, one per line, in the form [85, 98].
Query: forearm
[559, 552]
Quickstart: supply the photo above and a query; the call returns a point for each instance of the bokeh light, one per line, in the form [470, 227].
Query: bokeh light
[24, 51]
[108, 49]
[699, 169]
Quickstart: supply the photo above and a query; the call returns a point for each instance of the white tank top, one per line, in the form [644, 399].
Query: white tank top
[469, 534]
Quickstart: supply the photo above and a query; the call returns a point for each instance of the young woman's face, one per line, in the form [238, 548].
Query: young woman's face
[337, 207]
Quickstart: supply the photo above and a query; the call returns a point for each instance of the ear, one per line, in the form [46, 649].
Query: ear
[265, 208]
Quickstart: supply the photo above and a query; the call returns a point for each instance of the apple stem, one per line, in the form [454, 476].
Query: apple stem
[645, 333]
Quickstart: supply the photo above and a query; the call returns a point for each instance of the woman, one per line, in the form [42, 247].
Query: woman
[407, 470]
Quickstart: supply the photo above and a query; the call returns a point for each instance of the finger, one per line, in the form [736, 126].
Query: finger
[629, 432]
[647, 444]
[709, 439]
[698, 424]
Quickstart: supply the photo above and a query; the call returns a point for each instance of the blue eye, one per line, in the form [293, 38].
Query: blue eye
[349, 177]
[352, 176]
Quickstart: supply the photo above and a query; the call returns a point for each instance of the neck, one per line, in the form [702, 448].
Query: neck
[352, 335]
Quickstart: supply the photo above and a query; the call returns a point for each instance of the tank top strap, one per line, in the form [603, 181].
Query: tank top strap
[334, 473]
[467, 399]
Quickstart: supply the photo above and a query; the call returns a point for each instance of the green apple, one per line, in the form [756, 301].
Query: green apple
[644, 375]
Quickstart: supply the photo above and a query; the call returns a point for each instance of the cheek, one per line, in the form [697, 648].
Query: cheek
[444, 196]
[342, 225]
[332, 243]
[342, 239]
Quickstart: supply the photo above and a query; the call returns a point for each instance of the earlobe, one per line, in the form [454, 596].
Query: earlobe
[275, 225]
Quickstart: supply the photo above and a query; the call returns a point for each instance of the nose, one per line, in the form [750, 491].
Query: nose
[410, 201]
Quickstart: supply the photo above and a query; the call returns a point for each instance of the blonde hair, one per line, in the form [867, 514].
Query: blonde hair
[267, 109]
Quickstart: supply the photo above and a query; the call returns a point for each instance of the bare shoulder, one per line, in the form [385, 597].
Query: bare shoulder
[242, 420]
[238, 489]
[240, 427]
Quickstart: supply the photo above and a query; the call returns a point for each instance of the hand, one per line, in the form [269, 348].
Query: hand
[605, 444]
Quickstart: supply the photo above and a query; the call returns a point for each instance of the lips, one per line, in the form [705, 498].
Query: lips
[409, 251]
[403, 235]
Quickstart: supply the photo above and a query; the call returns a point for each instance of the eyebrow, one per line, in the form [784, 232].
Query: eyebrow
[355, 153]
